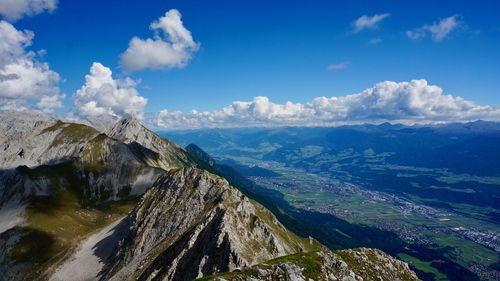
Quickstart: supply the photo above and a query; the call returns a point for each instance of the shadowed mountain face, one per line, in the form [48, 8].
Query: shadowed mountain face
[79, 204]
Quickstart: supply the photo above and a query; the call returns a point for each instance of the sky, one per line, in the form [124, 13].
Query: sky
[188, 64]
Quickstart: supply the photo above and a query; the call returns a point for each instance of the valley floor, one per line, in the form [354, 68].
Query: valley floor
[463, 237]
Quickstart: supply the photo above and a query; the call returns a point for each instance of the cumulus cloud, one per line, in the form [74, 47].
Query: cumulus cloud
[50, 102]
[438, 30]
[338, 66]
[171, 47]
[405, 102]
[24, 80]
[13, 10]
[366, 22]
[103, 95]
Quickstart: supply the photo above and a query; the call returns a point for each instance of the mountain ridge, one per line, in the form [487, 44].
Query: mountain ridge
[126, 205]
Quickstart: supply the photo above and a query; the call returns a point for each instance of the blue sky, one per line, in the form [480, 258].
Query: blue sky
[278, 49]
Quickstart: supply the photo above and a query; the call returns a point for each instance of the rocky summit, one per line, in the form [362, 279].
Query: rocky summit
[347, 265]
[122, 203]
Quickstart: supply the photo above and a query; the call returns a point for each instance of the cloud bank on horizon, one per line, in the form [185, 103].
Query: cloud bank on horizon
[405, 102]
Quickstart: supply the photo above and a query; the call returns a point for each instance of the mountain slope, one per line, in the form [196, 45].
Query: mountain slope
[63, 186]
[127, 159]
[192, 223]
[25, 140]
[102, 168]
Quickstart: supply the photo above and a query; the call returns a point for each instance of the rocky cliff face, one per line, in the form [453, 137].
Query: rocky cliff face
[191, 223]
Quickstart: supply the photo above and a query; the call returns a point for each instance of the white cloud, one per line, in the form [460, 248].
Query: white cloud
[438, 30]
[365, 22]
[415, 34]
[24, 80]
[48, 103]
[171, 47]
[406, 102]
[375, 41]
[103, 95]
[338, 66]
[13, 10]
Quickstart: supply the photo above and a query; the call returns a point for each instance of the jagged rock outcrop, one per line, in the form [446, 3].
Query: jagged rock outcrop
[191, 223]
[347, 265]
[168, 154]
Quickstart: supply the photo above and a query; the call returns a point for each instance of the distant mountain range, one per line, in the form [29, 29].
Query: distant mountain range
[469, 147]
[462, 148]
